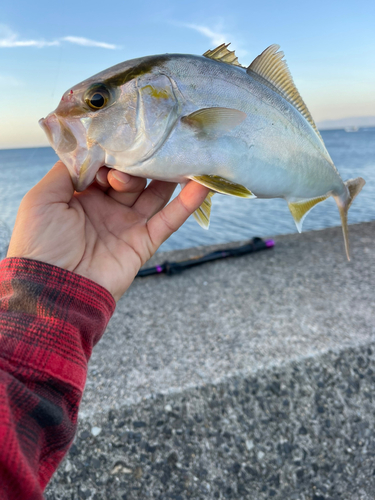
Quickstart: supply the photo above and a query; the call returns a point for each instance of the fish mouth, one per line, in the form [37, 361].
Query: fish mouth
[69, 142]
[58, 133]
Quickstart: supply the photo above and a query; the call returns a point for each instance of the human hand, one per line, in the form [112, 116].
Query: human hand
[107, 232]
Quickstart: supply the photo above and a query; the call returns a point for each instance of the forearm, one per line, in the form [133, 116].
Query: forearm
[50, 319]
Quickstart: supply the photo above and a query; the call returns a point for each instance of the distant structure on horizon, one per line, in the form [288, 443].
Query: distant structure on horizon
[353, 123]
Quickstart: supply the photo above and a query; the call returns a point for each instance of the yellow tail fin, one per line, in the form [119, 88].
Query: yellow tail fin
[354, 187]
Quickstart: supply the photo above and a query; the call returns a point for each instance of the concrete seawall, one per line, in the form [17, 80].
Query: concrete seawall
[252, 377]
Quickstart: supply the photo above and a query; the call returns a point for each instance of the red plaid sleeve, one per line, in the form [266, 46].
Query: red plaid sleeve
[50, 319]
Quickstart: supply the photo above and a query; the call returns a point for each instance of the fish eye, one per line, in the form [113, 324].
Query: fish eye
[97, 98]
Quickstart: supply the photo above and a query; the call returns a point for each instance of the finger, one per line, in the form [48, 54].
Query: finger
[126, 189]
[154, 198]
[56, 186]
[101, 178]
[168, 220]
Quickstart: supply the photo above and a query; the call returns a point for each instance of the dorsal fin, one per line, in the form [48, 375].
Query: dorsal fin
[273, 68]
[222, 54]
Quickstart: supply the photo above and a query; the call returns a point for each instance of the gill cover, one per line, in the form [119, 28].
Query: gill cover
[138, 123]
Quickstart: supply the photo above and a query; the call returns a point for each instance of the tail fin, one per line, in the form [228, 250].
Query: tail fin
[354, 187]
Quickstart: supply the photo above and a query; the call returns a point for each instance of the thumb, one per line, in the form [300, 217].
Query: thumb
[55, 187]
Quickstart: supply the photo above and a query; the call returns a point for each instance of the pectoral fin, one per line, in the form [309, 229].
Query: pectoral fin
[213, 120]
[300, 209]
[223, 186]
[202, 214]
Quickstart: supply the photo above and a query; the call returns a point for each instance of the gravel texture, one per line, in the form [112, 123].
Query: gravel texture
[306, 432]
[245, 378]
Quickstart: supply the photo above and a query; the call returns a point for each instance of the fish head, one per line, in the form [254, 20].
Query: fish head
[118, 118]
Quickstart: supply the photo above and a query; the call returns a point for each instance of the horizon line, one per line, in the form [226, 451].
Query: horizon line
[320, 129]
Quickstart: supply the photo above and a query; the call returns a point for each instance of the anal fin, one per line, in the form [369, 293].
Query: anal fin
[300, 209]
[202, 214]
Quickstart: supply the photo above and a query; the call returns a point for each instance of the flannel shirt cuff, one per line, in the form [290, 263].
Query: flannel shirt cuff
[50, 319]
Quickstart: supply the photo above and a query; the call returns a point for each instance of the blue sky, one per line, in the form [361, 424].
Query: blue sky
[46, 47]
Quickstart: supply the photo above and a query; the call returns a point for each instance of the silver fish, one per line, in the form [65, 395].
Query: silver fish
[240, 131]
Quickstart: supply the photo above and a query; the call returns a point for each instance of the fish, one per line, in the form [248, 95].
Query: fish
[240, 131]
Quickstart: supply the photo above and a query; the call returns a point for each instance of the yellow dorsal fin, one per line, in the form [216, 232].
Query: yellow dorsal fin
[222, 54]
[273, 68]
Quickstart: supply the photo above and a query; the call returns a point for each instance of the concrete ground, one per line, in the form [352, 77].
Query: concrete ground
[250, 378]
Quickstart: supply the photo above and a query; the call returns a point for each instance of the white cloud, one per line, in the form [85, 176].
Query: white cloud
[89, 43]
[26, 43]
[215, 37]
[10, 39]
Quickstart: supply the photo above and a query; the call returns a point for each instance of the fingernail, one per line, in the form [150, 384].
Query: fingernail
[121, 176]
[101, 177]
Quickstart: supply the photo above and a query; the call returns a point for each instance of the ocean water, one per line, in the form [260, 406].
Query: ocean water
[231, 219]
